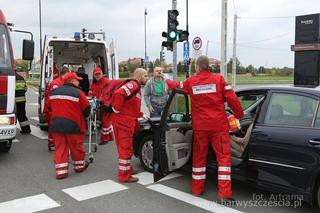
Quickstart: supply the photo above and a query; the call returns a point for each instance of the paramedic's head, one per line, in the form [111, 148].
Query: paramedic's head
[157, 72]
[72, 78]
[63, 70]
[141, 75]
[97, 73]
[202, 63]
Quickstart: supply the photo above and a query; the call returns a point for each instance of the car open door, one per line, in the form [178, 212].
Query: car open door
[173, 137]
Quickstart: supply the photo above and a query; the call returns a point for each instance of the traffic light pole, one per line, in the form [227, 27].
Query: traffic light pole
[224, 13]
[174, 47]
[187, 28]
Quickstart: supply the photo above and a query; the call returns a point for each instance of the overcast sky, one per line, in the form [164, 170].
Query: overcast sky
[265, 28]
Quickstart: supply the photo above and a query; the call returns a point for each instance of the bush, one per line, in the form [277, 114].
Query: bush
[123, 75]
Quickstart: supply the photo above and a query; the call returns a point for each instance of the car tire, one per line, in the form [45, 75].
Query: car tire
[146, 153]
[5, 146]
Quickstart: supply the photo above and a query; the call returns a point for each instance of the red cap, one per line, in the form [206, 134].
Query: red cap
[70, 76]
[97, 70]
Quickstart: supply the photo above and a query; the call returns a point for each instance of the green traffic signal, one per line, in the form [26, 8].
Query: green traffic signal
[173, 35]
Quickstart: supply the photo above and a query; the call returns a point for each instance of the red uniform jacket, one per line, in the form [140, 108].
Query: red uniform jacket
[69, 107]
[127, 106]
[96, 88]
[208, 92]
[57, 82]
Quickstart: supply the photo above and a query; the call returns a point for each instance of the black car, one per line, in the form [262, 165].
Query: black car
[283, 152]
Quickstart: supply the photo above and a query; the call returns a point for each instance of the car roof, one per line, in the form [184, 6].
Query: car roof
[313, 91]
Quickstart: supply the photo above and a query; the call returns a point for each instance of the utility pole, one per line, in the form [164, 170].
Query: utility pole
[174, 47]
[187, 28]
[207, 47]
[145, 39]
[234, 58]
[224, 21]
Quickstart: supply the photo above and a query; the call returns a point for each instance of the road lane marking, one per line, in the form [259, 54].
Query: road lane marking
[15, 140]
[32, 104]
[35, 118]
[146, 178]
[92, 190]
[37, 132]
[29, 204]
[192, 200]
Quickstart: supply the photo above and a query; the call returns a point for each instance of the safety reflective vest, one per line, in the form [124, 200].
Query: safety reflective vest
[21, 89]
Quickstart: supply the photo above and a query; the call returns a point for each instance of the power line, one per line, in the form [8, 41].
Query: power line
[267, 17]
[266, 39]
[263, 48]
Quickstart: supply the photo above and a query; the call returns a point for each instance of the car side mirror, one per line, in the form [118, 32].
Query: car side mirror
[28, 50]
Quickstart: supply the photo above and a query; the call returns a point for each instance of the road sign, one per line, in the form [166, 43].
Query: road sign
[197, 43]
[186, 51]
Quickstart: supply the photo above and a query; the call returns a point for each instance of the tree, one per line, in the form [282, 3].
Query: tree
[157, 63]
[229, 65]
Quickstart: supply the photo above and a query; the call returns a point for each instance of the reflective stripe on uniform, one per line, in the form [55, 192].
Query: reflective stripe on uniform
[21, 99]
[198, 169]
[60, 165]
[124, 168]
[64, 97]
[124, 161]
[198, 177]
[60, 172]
[115, 111]
[126, 90]
[24, 123]
[224, 169]
[79, 162]
[224, 177]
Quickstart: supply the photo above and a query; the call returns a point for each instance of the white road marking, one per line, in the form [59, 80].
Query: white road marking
[146, 178]
[28, 204]
[37, 132]
[192, 200]
[35, 118]
[15, 140]
[32, 104]
[92, 190]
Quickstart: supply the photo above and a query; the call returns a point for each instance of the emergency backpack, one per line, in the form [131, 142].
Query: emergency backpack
[107, 92]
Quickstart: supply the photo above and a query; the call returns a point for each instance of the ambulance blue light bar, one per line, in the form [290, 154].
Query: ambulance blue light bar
[77, 36]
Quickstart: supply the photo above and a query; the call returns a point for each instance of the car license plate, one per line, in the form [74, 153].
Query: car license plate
[7, 132]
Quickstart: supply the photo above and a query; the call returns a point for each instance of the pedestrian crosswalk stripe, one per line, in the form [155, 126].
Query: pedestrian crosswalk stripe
[192, 200]
[29, 204]
[37, 132]
[32, 104]
[15, 141]
[92, 190]
[146, 178]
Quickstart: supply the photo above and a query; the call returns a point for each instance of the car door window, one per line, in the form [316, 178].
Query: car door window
[177, 113]
[290, 110]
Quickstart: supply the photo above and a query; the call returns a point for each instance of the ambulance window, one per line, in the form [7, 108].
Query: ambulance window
[5, 57]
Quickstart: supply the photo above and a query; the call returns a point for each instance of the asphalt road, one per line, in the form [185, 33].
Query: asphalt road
[28, 184]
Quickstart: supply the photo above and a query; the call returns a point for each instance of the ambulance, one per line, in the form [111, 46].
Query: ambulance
[85, 49]
[8, 82]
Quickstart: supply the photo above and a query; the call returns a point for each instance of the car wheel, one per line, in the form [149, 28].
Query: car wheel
[146, 153]
[5, 146]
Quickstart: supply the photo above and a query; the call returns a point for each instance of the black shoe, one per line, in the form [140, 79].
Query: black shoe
[227, 201]
[25, 132]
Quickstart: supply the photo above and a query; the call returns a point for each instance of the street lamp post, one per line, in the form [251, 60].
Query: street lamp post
[145, 39]
[40, 30]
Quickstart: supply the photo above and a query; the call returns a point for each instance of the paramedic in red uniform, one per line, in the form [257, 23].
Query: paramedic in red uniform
[69, 108]
[98, 83]
[126, 104]
[57, 82]
[208, 93]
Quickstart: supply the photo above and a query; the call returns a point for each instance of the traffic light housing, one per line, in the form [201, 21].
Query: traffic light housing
[172, 32]
[183, 35]
[162, 56]
[169, 43]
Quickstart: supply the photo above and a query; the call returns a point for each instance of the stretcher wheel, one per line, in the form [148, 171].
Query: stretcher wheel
[91, 158]
[95, 148]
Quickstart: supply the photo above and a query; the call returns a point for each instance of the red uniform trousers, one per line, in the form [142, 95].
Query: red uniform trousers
[221, 146]
[123, 137]
[106, 130]
[50, 138]
[64, 143]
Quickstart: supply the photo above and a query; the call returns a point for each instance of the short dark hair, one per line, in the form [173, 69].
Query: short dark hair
[202, 62]
[63, 70]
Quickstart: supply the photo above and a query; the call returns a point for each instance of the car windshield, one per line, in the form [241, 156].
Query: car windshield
[5, 57]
